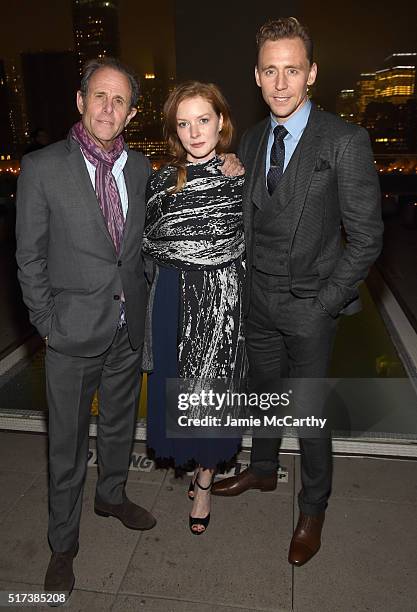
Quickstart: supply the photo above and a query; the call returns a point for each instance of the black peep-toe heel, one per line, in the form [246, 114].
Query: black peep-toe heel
[204, 522]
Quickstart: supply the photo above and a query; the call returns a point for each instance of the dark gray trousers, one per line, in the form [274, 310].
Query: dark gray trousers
[70, 384]
[287, 336]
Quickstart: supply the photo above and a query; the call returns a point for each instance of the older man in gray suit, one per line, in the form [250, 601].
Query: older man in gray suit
[80, 213]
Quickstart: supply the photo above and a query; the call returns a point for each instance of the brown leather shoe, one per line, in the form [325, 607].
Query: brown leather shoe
[306, 540]
[59, 575]
[130, 514]
[244, 481]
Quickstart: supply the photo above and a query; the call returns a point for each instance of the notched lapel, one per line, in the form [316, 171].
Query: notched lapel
[258, 174]
[258, 190]
[256, 159]
[81, 177]
[131, 177]
[130, 188]
[309, 149]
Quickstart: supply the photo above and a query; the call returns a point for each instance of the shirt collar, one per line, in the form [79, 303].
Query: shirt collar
[297, 123]
[119, 164]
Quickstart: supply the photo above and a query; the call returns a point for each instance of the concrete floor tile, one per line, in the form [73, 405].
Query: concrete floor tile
[23, 452]
[80, 601]
[24, 551]
[369, 478]
[129, 603]
[240, 561]
[12, 486]
[367, 560]
[106, 546]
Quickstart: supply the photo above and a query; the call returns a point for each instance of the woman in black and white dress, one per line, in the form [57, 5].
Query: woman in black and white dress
[194, 237]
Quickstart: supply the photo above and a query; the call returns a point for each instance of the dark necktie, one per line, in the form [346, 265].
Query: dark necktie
[277, 157]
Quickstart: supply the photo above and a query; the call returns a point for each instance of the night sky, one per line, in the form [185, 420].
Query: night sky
[350, 37]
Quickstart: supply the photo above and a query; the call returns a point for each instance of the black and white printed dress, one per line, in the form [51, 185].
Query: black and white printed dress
[195, 237]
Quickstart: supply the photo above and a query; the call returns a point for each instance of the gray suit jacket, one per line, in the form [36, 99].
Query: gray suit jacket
[335, 185]
[70, 274]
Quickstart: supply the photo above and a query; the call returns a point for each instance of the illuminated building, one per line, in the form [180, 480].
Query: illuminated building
[17, 110]
[144, 132]
[6, 135]
[366, 90]
[153, 93]
[347, 105]
[387, 104]
[396, 84]
[150, 148]
[411, 120]
[96, 29]
[50, 72]
[387, 125]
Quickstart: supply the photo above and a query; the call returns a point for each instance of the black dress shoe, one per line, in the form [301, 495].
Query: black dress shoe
[59, 575]
[306, 540]
[130, 514]
[246, 480]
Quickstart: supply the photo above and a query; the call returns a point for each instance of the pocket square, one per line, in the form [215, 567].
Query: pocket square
[322, 164]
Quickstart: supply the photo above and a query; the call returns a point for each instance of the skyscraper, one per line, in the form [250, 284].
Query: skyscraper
[144, 132]
[347, 105]
[17, 116]
[397, 82]
[96, 29]
[6, 136]
[366, 91]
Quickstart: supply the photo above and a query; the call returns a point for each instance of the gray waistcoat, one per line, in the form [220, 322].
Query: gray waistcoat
[273, 218]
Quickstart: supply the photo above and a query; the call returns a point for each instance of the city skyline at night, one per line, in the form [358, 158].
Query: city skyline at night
[348, 40]
[351, 68]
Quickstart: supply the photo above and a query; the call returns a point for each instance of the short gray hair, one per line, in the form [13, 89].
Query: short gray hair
[93, 65]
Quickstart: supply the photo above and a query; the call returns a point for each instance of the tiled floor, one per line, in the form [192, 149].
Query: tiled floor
[367, 562]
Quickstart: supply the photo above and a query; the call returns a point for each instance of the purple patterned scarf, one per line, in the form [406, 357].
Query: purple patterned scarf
[106, 188]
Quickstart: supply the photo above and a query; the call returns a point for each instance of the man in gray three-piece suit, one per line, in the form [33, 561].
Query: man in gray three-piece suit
[308, 173]
[80, 214]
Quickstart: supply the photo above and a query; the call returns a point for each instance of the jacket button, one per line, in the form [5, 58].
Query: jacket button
[116, 297]
[119, 263]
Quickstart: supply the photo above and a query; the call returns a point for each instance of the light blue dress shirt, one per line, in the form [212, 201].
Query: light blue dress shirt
[117, 172]
[295, 127]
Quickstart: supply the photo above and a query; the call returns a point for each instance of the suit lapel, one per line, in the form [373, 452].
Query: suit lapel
[258, 189]
[257, 146]
[309, 147]
[128, 176]
[81, 177]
